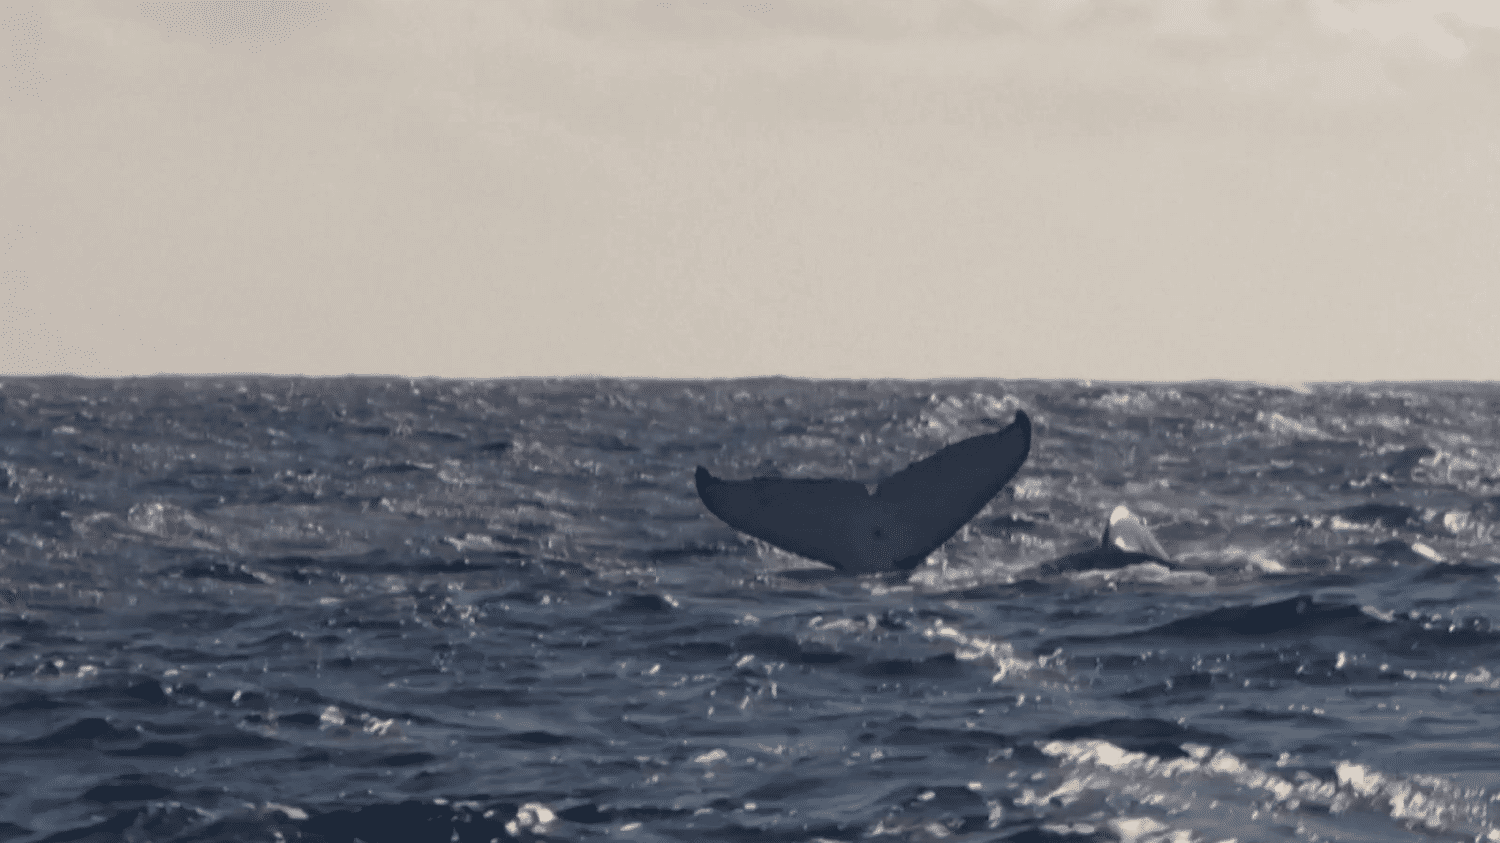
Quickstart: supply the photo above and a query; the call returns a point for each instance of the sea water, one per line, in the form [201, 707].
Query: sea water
[379, 609]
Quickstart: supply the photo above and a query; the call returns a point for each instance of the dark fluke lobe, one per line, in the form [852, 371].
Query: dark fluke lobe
[908, 515]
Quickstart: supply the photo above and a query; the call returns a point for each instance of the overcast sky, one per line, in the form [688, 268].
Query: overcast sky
[1271, 190]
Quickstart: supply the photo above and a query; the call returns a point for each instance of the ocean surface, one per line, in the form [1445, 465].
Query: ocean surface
[379, 609]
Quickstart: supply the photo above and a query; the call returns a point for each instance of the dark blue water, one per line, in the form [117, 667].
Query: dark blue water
[386, 610]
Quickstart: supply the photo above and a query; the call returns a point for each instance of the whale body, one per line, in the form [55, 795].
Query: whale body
[895, 526]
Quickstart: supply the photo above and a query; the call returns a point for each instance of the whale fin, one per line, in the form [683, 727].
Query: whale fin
[907, 516]
[1127, 541]
[1127, 533]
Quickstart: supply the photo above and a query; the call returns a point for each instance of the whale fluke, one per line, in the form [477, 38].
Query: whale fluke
[1126, 541]
[894, 527]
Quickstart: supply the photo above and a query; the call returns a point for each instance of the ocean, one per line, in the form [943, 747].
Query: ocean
[383, 609]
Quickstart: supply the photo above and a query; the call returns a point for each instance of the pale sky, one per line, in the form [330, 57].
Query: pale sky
[1270, 190]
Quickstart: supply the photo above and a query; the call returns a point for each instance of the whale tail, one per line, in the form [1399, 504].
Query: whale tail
[858, 530]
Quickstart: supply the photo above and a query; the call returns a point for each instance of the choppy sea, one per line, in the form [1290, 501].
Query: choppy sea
[380, 609]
